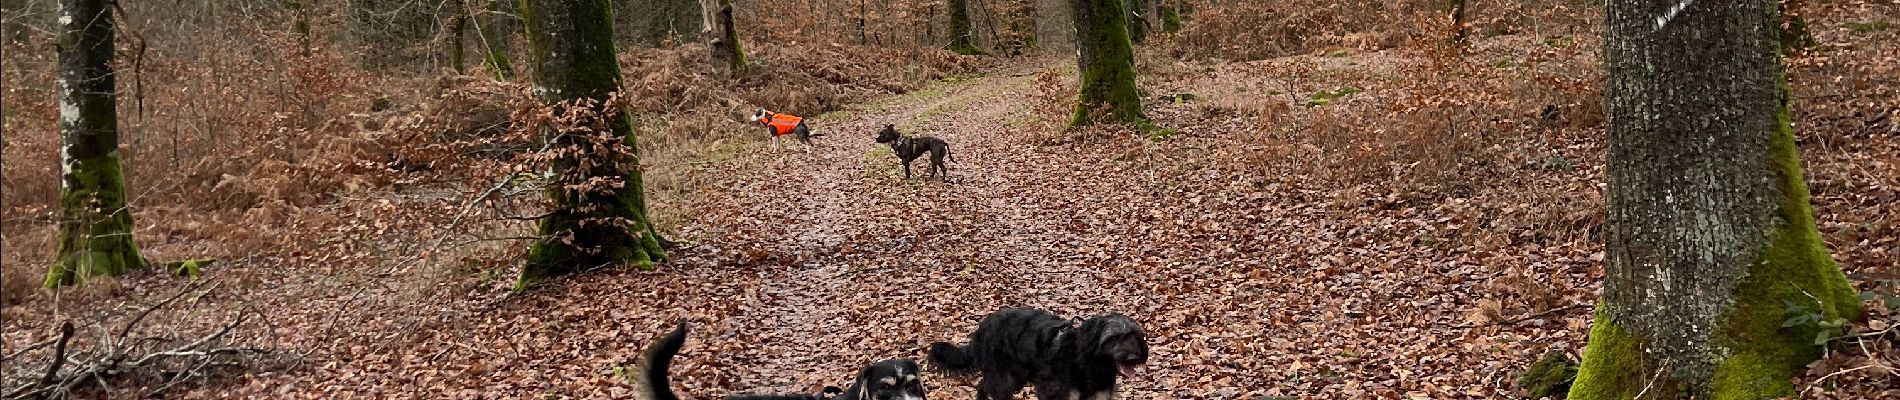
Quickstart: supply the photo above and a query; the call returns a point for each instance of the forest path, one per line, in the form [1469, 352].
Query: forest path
[852, 257]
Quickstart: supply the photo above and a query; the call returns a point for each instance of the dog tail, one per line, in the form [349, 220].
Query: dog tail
[951, 359]
[650, 378]
[950, 154]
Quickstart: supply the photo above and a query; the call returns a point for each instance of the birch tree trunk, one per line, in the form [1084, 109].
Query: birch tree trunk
[95, 226]
[1106, 60]
[1711, 242]
[600, 214]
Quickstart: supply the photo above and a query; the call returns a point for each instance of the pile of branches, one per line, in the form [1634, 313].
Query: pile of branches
[152, 364]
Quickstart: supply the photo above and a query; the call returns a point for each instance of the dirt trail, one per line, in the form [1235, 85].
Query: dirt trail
[853, 256]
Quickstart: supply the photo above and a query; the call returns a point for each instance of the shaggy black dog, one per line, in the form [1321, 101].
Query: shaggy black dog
[909, 148]
[1019, 347]
[884, 380]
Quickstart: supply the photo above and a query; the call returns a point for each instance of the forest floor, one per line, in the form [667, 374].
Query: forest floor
[1253, 279]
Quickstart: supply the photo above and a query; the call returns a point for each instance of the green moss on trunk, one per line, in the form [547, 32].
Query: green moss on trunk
[725, 44]
[1796, 269]
[1106, 60]
[1137, 23]
[95, 226]
[960, 28]
[1613, 365]
[573, 49]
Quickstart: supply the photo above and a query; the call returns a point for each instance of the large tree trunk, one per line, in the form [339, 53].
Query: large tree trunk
[1106, 61]
[95, 227]
[723, 37]
[600, 214]
[960, 27]
[496, 21]
[1710, 239]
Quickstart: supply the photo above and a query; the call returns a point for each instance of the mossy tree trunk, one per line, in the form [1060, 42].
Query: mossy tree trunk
[1711, 242]
[95, 226]
[1137, 19]
[497, 22]
[1106, 60]
[960, 31]
[599, 217]
[722, 37]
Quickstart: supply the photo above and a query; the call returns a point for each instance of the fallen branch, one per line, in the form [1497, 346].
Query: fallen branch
[109, 360]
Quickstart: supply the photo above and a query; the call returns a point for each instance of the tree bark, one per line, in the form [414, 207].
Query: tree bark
[1137, 19]
[723, 37]
[1106, 61]
[95, 226]
[600, 213]
[1711, 243]
[960, 27]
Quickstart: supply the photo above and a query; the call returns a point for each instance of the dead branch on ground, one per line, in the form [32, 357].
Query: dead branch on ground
[162, 361]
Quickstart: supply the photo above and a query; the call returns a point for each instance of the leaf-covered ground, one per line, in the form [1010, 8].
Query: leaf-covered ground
[1255, 267]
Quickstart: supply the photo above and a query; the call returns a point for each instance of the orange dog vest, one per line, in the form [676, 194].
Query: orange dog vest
[781, 124]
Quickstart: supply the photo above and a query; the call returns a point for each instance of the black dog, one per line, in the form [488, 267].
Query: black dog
[1019, 347]
[909, 148]
[884, 380]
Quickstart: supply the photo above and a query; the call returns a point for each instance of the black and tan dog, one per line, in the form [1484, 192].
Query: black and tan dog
[1019, 347]
[908, 148]
[895, 379]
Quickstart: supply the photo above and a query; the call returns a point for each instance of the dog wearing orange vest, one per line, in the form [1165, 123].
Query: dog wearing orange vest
[781, 124]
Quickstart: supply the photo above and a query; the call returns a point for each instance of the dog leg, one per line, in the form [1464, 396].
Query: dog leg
[906, 169]
[997, 388]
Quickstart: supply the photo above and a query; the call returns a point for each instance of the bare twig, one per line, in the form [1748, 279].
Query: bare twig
[115, 346]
